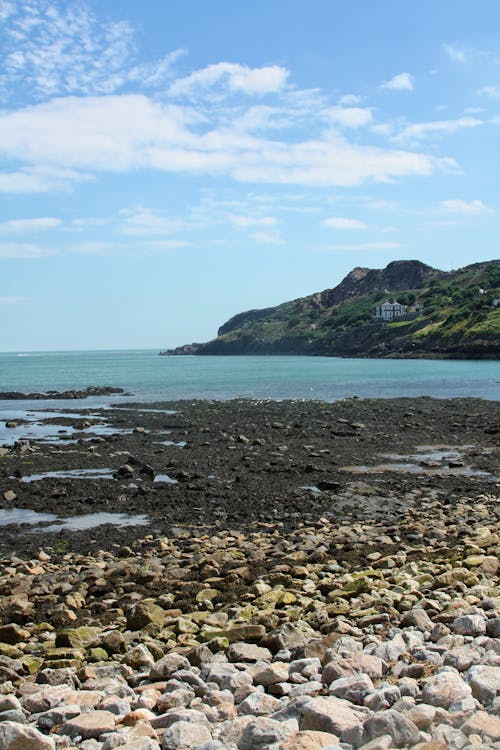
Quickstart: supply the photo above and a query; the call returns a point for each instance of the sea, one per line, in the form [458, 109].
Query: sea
[147, 377]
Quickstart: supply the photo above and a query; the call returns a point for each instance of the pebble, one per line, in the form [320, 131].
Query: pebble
[317, 652]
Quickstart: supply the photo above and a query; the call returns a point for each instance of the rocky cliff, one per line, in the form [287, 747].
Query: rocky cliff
[446, 314]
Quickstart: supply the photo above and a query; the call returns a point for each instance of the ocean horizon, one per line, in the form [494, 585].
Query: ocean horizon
[146, 376]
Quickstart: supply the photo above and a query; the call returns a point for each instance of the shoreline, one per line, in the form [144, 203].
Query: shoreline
[252, 607]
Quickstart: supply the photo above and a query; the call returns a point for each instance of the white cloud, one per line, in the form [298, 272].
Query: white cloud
[235, 78]
[349, 100]
[493, 92]
[465, 208]
[93, 248]
[53, 48]
[365, 246]
[40, 179]
[268, 238]
[75, 136]
[144, 221]
[23, 250]
[455, 53]
[338, 222]
[421, 130]
[401, 82]
[349, 117]
[23, 226]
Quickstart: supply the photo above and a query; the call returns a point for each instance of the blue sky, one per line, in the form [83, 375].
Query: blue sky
[165, 165]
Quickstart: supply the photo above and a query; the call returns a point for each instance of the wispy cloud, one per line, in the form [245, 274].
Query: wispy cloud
[272, 237]
[455, 53]
[338, 222]
[25, 226]
[56, 49]
[145, 221]
[401, 82]
[493, 92]
[23, 250]
[419, 131]
[464, 208]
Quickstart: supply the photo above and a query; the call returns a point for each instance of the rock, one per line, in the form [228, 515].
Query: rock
[264, 733]
[334, 716]
[13, 634]
[370, 665]
[11, 425]
[483, 724]
[379, 743]
[183, 735]
[139, 656]
[167, 666]
[417, 618]
[126, 471]
[9, 496]
[89, 725]
[310, 740]
[403, 731]
[493, 627]
[145, 613]
[289, 635]
[275, 672]
[240, 651]
[444, 689]
[258, 704]
[14, 736]
[79, 638]
[352, 688]
[484, 681]
[469, 625]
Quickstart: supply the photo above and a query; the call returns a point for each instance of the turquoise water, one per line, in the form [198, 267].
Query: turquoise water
[150, 377]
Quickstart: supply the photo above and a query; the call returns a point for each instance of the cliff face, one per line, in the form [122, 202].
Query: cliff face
[447, 315]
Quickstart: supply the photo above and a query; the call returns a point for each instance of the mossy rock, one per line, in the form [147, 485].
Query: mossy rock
[82, 637]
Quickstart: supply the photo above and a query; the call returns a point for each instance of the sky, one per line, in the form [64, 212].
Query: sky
[166, 165]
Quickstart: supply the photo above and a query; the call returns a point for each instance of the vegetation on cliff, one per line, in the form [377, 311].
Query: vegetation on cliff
[449, 314]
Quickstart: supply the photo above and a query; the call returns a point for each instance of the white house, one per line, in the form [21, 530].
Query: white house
[389, 311]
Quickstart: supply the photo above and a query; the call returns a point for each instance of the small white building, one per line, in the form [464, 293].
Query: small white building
[389, 311]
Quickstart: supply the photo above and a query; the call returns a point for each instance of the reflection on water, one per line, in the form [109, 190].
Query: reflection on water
[71, 474]
[73, 523]
[165, 478]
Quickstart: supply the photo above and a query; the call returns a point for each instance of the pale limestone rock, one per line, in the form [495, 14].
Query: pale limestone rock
[484, 681]
[247, 652]
[483, 724]
[310, 740]
[352, 688]
[89, 725]
[371, 665]
[444, 689]
[335, 716]
[378, 743]
[184, 735]
[258, 704]
[275, 672]
[14, 736]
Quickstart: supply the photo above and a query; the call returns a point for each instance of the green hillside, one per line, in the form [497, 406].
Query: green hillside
[448, 314]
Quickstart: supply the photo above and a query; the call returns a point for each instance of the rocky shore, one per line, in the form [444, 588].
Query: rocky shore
[315, 576]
